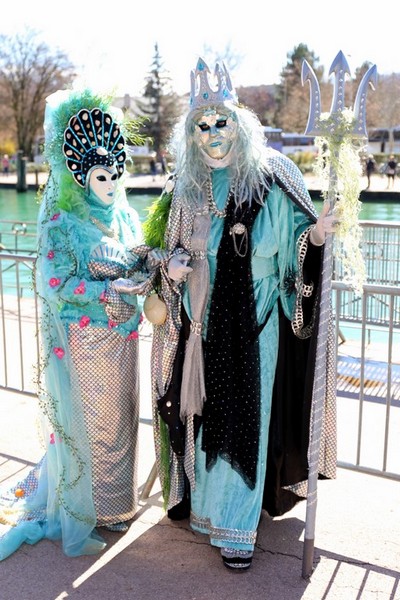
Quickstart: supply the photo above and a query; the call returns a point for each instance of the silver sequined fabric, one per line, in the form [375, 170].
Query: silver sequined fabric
[290, 176]
[109, 391]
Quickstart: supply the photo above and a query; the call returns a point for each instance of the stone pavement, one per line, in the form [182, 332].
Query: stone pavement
[357, 541]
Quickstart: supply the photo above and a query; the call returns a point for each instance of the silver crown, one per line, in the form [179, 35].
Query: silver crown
[201, 92]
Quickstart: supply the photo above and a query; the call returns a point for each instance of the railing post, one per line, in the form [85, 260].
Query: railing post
[21, 172]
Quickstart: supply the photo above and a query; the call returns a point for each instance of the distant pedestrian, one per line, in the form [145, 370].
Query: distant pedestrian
[391, 171]
[163, 161]
[370, 167]
[153, 168]
[6, 164]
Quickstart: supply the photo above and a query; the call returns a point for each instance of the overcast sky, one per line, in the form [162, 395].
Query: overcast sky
[113, 48]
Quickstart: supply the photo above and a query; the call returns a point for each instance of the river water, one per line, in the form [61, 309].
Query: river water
[25, 207]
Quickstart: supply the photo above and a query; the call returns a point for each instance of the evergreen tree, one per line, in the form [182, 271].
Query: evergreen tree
[292, 99]
[159, 105]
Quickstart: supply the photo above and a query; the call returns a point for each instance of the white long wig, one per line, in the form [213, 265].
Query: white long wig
[248, 168]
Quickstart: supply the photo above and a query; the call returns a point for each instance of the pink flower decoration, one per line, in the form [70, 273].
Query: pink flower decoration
[54, 282]
[133, 335]
[55, 217]
[84, 321]
[52, 440]
[59, 352]
[102, 296]
[80, 289]
[50, 254]
[112, 324]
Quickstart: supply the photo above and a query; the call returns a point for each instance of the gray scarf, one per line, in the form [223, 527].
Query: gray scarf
[193, 393]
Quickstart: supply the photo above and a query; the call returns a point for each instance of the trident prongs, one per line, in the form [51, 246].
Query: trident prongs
[370, 77]
[307, 74]
[340, 69]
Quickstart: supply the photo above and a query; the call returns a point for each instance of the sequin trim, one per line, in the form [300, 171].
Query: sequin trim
[302, 290]
[237, 536]
[198, 255]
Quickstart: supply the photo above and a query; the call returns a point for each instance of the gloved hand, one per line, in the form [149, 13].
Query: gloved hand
[325, 224]
[127, 286]
[177, 267]
[155, 258]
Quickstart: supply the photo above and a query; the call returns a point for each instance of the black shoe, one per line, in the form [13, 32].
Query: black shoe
[180, 511]
[236, 560]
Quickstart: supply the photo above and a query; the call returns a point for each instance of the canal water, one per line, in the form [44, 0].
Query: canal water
[18, 216]
[24, 207]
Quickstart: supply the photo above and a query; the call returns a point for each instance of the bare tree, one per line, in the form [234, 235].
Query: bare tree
[260, 99]
[385, 107]
[29, 72]
[228, 55]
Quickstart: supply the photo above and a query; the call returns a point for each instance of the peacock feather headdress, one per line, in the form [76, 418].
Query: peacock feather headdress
[92, 139]
[62, 108]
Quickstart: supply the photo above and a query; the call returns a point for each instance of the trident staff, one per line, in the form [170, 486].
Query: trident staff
[333, 128]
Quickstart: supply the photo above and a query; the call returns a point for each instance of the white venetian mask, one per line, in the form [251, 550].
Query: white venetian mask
[102, 182]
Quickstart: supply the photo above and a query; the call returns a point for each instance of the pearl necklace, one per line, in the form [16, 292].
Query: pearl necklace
[108, 231]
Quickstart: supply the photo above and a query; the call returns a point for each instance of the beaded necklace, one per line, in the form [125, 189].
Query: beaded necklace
[241, 242]
[221, 214]
[108, 231]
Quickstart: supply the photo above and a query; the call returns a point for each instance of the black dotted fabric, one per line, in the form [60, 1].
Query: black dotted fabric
[231, 416]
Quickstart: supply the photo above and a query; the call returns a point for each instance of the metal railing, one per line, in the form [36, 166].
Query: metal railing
[368, 383]
[368, 351]
[18, 236]
[19, 323]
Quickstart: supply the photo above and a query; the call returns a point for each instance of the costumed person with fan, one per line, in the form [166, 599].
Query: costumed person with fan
[232, 366]
[89, 271]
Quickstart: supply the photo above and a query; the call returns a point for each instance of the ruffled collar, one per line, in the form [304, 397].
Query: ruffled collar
[99, 210]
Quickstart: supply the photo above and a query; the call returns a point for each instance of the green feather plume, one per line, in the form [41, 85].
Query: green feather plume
[155, 224]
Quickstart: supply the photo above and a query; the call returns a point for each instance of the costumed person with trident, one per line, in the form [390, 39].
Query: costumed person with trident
[339, 136]
[89, 271]
[233, 364]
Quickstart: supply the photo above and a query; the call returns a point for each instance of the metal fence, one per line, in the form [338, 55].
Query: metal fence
[368, 348]
[381, 253]
[18, 236]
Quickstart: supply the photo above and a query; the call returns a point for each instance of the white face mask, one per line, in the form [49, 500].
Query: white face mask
[102, 182]
[215, 132]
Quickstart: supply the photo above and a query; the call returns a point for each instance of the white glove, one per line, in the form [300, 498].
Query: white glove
[177, 267]
[127, 286]
[325, 224]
